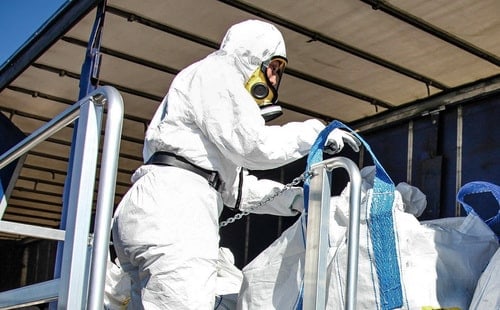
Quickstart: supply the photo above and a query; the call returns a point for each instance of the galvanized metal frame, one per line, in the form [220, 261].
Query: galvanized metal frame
[72, 288]
[315, 269]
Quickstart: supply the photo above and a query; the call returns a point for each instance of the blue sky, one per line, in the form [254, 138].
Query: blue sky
[20, 19]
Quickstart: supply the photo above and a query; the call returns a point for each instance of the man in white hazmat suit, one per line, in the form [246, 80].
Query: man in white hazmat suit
[205, 134]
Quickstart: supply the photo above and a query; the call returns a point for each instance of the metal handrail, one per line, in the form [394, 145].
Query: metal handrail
[64, 287]
[105, 201]
[41, 134]
[315, 270]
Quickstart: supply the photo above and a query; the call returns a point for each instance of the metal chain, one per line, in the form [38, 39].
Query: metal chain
[240, 215]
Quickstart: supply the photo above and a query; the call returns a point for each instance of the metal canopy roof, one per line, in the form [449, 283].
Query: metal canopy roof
[366, 63]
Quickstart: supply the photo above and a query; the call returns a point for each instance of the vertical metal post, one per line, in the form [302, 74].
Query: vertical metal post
[317, 241]
[3, 200]
[458, 171]
[90, 69]
[409, 161]
[73, 287]
[105, 198]
[88, 83]
[315, 269]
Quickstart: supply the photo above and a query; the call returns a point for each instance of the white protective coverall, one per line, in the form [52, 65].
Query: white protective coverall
[166, 231]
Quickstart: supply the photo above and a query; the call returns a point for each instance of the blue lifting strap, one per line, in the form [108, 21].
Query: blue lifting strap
[381, 222]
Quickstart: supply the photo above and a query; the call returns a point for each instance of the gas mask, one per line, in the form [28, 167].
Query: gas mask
[262, 89]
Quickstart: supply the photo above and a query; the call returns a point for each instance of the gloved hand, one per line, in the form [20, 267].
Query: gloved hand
[335, 141]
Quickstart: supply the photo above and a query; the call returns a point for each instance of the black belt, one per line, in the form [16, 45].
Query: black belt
[169, 159]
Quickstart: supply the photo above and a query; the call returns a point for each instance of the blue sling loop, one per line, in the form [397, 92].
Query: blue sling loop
[381, 223]
[478, 187]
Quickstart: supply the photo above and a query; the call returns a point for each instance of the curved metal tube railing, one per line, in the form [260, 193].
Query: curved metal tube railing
[72, 288]
[315, 270]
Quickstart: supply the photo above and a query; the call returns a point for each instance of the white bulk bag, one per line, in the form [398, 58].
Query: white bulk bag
[437, 263]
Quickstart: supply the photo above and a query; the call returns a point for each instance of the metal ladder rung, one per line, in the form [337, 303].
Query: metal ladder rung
[30, 294]
[32, 230]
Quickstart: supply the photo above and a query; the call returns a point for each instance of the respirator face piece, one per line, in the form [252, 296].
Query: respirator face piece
[263, 85]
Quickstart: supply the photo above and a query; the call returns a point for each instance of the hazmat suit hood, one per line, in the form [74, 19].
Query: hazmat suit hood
[252, 42]
[254, 45]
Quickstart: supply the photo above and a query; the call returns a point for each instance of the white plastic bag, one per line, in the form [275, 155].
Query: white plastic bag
[273, 279]
[229, 279]
[487, 293]
[440, 260]
[436, 264]
[116, 287]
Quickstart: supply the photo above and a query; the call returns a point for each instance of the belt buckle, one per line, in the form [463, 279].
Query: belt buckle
[214, 180]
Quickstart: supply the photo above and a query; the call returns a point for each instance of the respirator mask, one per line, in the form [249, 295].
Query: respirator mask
[264, 88]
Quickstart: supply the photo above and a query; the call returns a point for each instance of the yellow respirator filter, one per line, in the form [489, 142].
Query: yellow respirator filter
[259, 88]
[262, 90]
